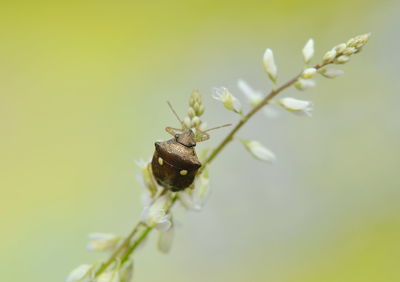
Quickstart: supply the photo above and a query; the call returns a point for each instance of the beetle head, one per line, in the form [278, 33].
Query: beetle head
[186, 138]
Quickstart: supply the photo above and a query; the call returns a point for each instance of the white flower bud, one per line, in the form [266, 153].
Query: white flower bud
[109, 276]
[330, 72]
[146, 176]
[340, 47]
[81, 272]
[102, 242]
[196, 106]
[200, 110]
[254, 97]
[155, 214]
[308, 73]
[300, 107]
[258, 151]
[269, 65]
[342, 60]
[359, 41]
[195, 98]
[329, 56]
[165, 240]
[191, 112]
[303, 84]
[349, 51]
[196, 122]
[308, 51]
[230, 102]
[187, 122]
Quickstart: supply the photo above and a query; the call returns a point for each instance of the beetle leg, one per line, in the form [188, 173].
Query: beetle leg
[172, 130]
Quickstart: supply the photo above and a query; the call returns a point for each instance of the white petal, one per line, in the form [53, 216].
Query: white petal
[331, 73]
[165, 240]
[146, 177]
[296, 106]
[163, 224]
[329, 56]
[185, 198]
[155, 215]
[187, 122]
[308, 73]
[303, 84]
[258, 151]
[254, 97]
[230, 102]
[269, 65]
[340, 47]
[111, 276]
[102, 242]
[308, 50]
[80, 273]
[146, 199]
[194, 199]
[342, 59]
[237, 106]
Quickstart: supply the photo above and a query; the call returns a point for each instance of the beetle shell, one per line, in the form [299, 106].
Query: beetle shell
[174, 165]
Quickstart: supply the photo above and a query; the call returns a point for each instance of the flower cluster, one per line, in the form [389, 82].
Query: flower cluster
[340, 54]
[194, 113]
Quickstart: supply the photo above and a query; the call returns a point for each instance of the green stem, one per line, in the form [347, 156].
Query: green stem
[136, 243]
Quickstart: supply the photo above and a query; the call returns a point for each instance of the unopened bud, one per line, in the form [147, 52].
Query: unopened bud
[342, 60]
[329, 56]
[308, 73]
[340, 47]
[191, 112]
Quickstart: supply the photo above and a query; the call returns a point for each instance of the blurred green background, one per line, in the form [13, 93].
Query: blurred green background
[83, 90]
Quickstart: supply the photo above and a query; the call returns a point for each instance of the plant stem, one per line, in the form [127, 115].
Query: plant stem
[135, 244]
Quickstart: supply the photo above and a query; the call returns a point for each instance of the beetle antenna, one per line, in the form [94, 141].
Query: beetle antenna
[218, 127]
[173, 111]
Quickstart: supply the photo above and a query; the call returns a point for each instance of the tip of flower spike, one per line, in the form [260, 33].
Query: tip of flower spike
[303, 84]
[359, 41]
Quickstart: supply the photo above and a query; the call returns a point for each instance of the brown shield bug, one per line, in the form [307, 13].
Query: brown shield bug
[175, 162]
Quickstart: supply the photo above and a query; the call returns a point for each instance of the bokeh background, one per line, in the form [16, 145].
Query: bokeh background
[83, 86]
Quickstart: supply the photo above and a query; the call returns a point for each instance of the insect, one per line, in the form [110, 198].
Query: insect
[175, 162]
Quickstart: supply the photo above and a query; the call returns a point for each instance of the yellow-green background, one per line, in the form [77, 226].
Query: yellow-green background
[83, 86]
